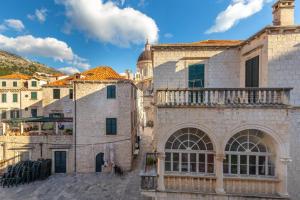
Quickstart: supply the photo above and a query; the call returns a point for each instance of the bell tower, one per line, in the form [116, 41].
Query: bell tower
[283, 13]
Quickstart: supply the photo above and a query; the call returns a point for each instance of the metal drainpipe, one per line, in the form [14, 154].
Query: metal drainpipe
[74, 119]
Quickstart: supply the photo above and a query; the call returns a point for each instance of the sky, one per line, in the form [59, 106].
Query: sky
[75, 35]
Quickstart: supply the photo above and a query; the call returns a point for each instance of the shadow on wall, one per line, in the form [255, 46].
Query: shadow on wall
[221, 70]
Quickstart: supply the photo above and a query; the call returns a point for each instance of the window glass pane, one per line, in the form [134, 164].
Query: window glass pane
[175, 161]
[225, 165]
[193, 158]
[56, 93]
[271, 166]
[33, 95]
[262, 165]
[252, 165]
[3, 98]
[184, 162]
[3, 84]
[168, 166]
[71, 94]
[33, 83]
[111, 126]
[111, 92]
[168, 157]
[234, 164]
[15, 83]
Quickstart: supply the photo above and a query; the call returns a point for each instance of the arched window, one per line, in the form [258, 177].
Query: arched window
[189, 150]
[249, 153]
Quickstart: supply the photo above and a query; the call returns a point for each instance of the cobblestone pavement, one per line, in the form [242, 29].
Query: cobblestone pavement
[84, 186]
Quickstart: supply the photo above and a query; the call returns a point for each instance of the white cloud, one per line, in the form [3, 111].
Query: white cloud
[237, 10]
[28, 45]
[106, 22]
[15, 24]
[40, 15]
[168, 35]
[69, 70]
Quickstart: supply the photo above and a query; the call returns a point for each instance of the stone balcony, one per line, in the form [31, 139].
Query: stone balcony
[223, 97]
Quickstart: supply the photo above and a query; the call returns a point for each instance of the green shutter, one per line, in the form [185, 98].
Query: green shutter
[3, 83]
[15, 84]
[3, 96]
[15, 98]
[34, 95]
[111, 92]
[196, 75]
[111, 126]
[33, 84]
[56, 93]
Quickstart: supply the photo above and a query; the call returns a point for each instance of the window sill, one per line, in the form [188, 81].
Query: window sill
[251, 178]
[190, 174]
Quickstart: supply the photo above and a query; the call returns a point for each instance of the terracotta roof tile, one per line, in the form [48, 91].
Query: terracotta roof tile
[205, 43]
[96, 74]
[16, 76]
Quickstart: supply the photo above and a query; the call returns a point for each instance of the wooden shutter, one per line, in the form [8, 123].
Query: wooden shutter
[252, 72]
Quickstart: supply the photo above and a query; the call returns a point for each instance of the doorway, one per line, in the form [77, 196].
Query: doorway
[99, 161]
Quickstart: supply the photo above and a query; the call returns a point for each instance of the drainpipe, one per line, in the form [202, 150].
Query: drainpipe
[74, 119]
[41, 148]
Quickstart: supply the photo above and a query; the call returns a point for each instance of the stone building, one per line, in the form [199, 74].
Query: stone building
[21, 96]
[105, 121]
[227, 116]
[88, 123]
[144, 82]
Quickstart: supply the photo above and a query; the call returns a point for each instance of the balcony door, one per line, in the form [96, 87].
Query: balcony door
[196, 76]
[60, 161]
[252, 72]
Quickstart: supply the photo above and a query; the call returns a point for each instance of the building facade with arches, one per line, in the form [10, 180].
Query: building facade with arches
[226, 116]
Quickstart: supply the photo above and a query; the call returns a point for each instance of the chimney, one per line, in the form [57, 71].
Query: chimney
[283, 13]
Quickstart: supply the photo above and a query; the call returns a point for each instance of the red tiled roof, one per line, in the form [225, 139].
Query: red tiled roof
[205, 43]
[16, 76]
[97, 74]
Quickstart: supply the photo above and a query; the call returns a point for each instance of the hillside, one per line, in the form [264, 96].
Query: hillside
[11, 63]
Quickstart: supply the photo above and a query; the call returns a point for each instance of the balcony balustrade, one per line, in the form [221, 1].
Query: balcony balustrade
[230, 97]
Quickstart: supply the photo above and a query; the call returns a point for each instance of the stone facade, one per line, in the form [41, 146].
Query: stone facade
[92, 109]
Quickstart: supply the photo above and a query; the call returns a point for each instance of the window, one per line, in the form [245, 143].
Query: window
[189, 150]
[3, 98]
[71, 94]
[33, 112]
[196, 76]
[3, 83]
[33, 83]
[111, 126]
[14, 114]
[15, 98]
[56, 115]
[111, 92]
[248, 155]
[34, 95]
[15, 84]
[252, 72]
[3, 114]
[56, 93]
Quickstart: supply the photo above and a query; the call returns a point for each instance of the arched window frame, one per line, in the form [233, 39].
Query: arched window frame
[189, 150]
[248, 155]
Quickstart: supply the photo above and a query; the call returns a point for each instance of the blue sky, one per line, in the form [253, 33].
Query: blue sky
[76, 35]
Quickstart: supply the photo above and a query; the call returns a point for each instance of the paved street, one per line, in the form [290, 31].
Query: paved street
[84, 186]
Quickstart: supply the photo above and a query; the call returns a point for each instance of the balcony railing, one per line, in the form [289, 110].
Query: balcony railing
[213, 97]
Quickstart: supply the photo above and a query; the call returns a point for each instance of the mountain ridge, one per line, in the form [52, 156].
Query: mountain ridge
[11, 63]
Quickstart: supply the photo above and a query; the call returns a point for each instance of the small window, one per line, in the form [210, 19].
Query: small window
[34, 95]
[111, 92]
[111, 126]
[15, 84]
[33, 112]
[56, 93]
[196, 76]
[33, 83]
[71, 94]
[3, 114]
[3, 98]
[15, 98]
[3, 83]
[14, 114]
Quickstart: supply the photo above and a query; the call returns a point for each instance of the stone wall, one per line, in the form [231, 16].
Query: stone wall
[92, 108]
[11, 145]
[171, 67]
[63, 105]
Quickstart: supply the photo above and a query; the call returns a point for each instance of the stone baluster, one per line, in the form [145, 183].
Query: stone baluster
[187, 96]
[259, 96]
